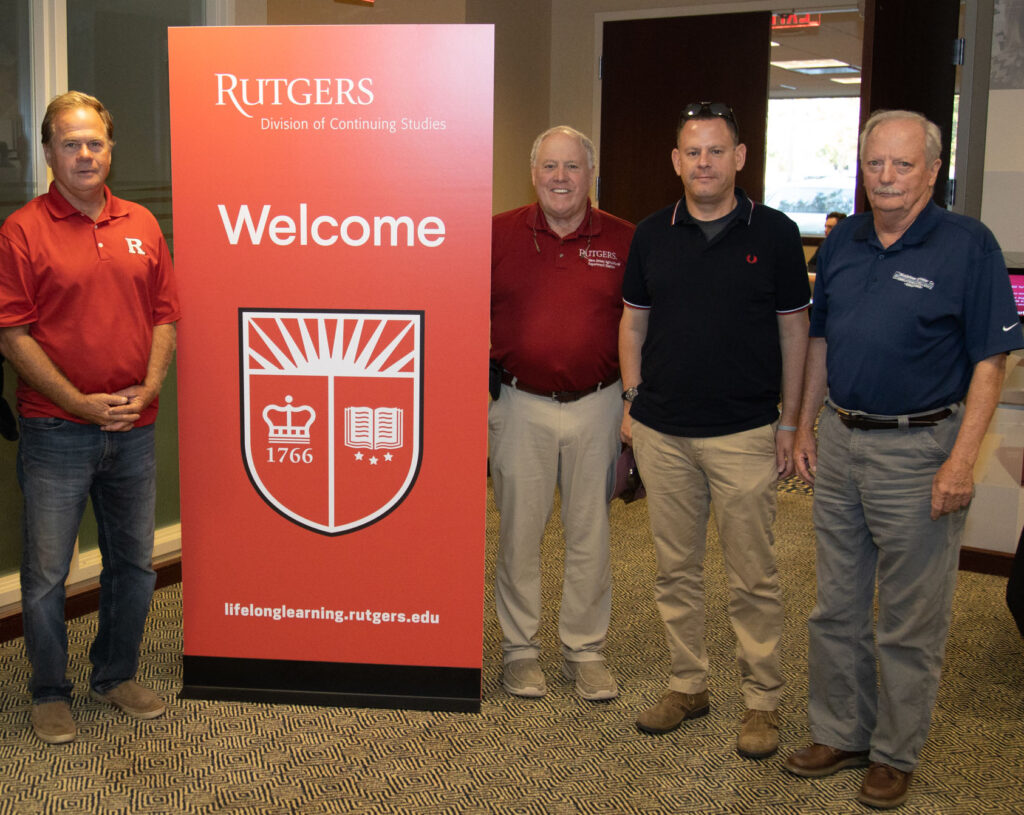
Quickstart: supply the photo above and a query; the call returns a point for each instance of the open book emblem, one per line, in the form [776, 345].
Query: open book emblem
[331, 412]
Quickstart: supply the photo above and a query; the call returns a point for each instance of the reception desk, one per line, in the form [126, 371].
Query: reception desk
[997, 512]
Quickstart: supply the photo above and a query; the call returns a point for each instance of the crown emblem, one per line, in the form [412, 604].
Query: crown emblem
[281, 423]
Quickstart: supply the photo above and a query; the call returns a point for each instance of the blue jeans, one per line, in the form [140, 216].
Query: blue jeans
[60, 465]
[872, 499]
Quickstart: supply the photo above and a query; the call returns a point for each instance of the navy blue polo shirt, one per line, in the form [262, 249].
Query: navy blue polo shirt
[906, 325]
[711, 363]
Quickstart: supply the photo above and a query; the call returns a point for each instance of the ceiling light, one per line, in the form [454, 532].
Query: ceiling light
[797, 64]
[846, 80]
[847, 69]
[774, 44]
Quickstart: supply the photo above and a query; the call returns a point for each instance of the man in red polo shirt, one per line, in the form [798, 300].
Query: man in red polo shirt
[556, 300]
[87, 312]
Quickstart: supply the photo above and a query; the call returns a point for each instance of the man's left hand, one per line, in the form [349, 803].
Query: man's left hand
[139, 397]
[785, 463]
[952, 488]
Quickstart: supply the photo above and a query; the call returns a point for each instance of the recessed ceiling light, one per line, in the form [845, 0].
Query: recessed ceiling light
[846, 69]
[774, 44]
[846, 80]
[788, 87]
[797, 64]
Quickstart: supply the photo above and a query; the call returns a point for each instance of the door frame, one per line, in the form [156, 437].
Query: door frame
[600, 18]
[970, 154]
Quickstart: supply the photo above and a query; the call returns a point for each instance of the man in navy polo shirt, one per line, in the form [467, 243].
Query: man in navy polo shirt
[714, 328]
[913, 317]
[556, 283]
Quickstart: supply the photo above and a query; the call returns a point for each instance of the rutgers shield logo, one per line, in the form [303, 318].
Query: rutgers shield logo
[331, 412]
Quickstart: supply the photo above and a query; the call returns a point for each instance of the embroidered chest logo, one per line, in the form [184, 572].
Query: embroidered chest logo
[751, 259]
[603, 258]
[135, 246]
[913, 282]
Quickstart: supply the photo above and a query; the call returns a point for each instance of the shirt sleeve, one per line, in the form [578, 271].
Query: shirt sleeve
[166, 308]
[991, 323]
[17, 283]
[634, 286]
[791, 284]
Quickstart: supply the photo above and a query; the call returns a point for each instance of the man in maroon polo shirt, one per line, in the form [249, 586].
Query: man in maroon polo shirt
[556, 300]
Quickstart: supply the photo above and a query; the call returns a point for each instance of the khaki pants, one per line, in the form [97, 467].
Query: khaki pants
[536, 442]
[736, 473]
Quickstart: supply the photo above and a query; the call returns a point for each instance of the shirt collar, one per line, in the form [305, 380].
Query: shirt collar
[681, 215]
[61, 208]
[927, 219]
[589, 226]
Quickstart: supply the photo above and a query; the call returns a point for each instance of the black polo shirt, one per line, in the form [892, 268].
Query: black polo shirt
[711, 362]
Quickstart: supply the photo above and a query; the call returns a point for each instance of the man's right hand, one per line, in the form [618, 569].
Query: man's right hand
[805, 451]
[626, 430]
[111, 412]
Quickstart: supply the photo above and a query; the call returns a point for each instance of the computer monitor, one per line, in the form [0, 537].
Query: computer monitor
[1017, 283]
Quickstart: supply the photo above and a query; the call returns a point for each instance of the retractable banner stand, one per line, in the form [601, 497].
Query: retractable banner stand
[332, 208]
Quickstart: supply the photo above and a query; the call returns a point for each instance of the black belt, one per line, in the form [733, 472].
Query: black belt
[857, 421]
[559, 396]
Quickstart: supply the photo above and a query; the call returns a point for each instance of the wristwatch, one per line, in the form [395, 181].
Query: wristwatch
[629, 394]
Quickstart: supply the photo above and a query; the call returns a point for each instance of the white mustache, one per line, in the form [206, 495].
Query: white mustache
[885, 191]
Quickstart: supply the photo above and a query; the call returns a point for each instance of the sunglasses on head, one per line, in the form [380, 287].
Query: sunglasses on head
[719, 109]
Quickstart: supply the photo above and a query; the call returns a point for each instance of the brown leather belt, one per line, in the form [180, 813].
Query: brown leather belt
[559, 396]
[857, 421]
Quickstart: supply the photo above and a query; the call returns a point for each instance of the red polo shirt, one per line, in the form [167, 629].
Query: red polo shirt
[556, 302]
[91, 293]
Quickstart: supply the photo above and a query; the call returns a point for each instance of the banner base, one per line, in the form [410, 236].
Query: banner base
[335, 684]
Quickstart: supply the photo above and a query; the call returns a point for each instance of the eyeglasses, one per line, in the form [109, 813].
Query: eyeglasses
[719, 109]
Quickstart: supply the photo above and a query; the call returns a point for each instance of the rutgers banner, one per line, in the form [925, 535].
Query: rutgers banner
[332, 202]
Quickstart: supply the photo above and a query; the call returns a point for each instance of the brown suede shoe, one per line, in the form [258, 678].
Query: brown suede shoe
[759, 736]
[884, 787]
[133, 699]
[52, 722]
[819, 760]
[670, 712]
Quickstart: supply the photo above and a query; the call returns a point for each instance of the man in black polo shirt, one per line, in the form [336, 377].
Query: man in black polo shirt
[714, 328]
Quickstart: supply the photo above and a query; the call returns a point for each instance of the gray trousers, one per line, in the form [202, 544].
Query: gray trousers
[534, 444]
[872, 500]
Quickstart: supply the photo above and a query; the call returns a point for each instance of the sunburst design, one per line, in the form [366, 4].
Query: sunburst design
[292, 348]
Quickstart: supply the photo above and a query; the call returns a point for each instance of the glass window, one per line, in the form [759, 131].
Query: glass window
[17, 138]
[117, 51]
[812, 158]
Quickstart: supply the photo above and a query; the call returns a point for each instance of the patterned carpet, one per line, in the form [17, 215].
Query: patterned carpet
[554, 756]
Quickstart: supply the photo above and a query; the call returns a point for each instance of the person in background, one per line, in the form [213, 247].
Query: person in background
[830, 221]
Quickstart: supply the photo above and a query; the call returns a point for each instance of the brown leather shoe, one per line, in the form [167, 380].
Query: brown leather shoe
[884, 787]
[818, 760]
[672, 709]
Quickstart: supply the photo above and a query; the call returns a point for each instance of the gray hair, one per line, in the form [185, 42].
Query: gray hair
[932, 134]
[584, 141]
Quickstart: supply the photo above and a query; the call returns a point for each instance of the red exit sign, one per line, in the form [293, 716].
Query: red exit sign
[796, 21]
